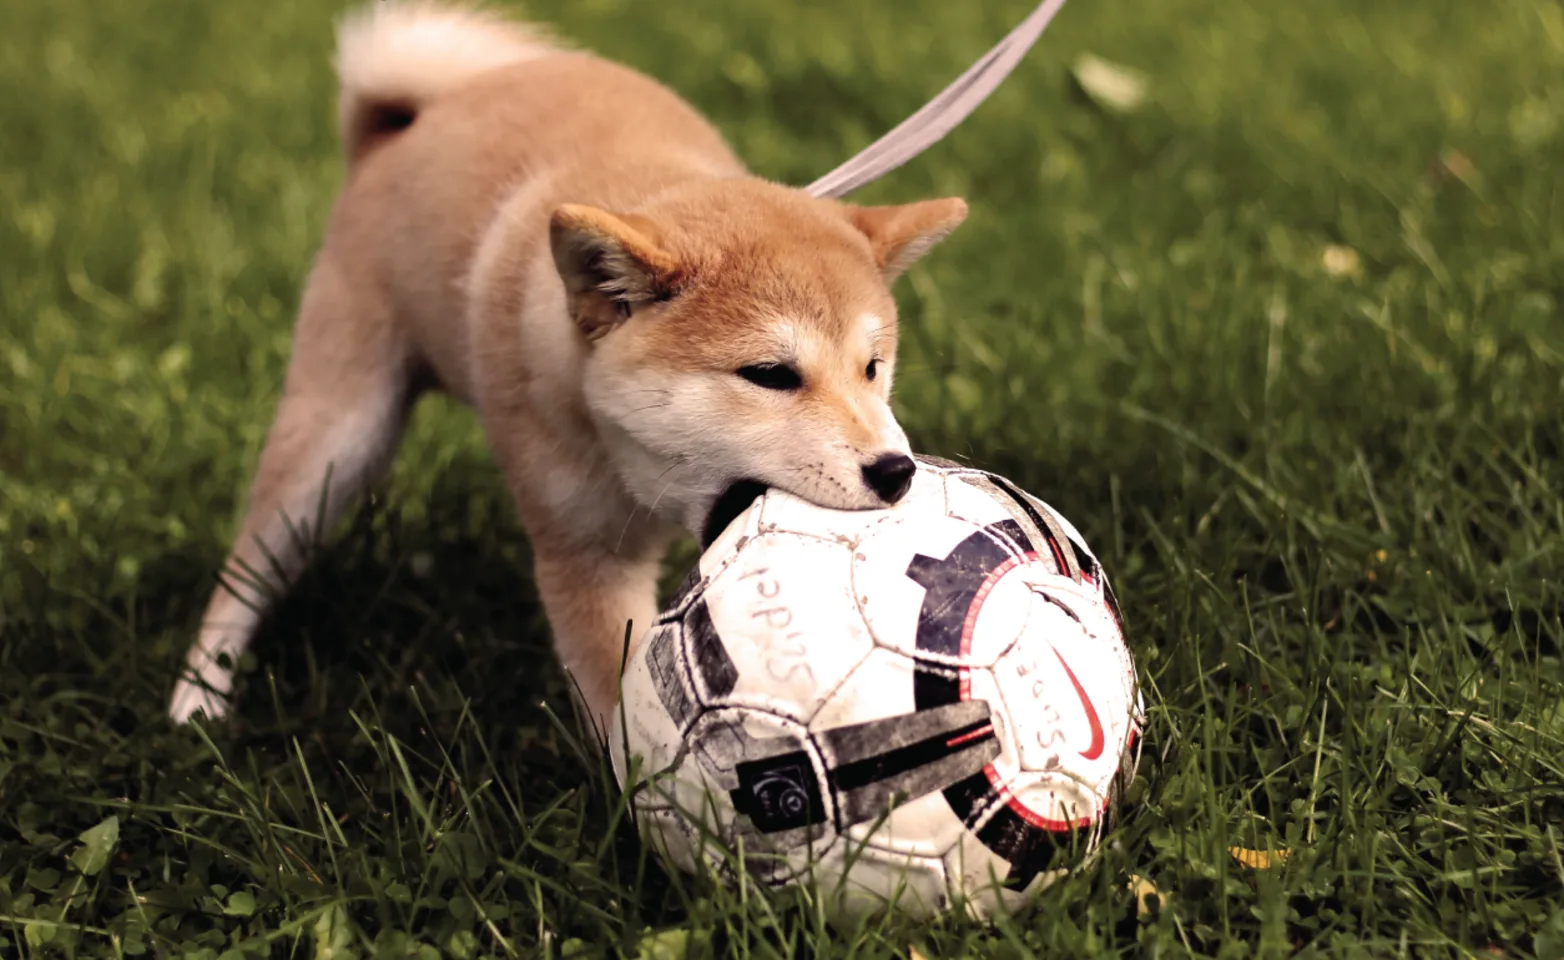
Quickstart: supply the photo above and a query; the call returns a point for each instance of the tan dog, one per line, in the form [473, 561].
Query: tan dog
[568, 247]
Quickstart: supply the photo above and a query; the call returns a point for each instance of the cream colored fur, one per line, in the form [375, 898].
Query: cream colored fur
[568, 247]
[411, 53]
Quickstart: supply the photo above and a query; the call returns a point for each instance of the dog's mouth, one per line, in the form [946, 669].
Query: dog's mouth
[739, 496]
[726, 508]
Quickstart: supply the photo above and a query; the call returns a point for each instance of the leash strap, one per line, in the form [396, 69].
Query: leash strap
[940, 115]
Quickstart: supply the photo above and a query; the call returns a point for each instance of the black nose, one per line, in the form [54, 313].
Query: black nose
[890, 476]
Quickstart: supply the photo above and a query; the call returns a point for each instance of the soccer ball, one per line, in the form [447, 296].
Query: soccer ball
[925, 707]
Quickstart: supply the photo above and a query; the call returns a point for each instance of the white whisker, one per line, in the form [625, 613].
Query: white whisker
[652, 510]
[659, 498]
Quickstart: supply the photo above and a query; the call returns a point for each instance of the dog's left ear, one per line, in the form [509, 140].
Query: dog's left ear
[611, 264]
[899, 235]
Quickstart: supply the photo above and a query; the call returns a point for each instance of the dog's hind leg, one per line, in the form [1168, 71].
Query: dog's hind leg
[344, 404]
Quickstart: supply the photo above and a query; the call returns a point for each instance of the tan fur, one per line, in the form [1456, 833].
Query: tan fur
[567, 246]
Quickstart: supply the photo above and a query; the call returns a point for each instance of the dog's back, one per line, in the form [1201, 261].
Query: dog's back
[444, 112]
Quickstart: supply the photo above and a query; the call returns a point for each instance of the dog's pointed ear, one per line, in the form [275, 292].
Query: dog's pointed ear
[899, 235]
[610, 263]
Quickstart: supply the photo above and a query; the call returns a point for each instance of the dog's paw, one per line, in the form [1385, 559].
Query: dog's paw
[192, 698]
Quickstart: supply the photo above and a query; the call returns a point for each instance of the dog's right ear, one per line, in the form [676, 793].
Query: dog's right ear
[900, 234]
[611, 264]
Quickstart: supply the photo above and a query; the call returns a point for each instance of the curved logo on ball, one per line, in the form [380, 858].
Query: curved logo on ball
[955, 589]
[1093, 751]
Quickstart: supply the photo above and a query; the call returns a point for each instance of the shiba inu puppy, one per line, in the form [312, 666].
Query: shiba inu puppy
[639, 323]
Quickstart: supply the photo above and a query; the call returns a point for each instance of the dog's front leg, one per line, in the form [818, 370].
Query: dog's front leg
[590, 596]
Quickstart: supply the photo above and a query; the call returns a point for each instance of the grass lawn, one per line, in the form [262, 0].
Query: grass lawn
[1286, 343]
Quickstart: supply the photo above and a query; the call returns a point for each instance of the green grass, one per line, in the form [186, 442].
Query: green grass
[1333, 505]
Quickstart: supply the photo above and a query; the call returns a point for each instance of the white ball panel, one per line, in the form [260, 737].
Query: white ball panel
[967, 501]
[688, 790]
[671, 835]
[780, 869]
[643, 728]
[856, 881]
[784, 613]
[1065, 687]
[923, 826]
[1007, 728]
[880, 687]
[1003, 616]
[1058, 797]
[890, 600]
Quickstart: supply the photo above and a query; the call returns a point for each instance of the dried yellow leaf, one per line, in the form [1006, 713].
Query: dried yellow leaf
[1113, 86]
[1340, 261]
[1259, 859]
[1457, 165]
[1144, 890]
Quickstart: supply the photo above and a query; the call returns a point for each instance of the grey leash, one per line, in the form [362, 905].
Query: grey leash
[940, 115]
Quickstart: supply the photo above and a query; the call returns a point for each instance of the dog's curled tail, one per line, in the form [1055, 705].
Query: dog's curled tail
[395, 56]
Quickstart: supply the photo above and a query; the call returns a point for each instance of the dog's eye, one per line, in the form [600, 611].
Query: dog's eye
[623, 308]
[772, 376]
[872, 370]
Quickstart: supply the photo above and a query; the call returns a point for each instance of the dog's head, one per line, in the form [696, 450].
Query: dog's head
[745, 331]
